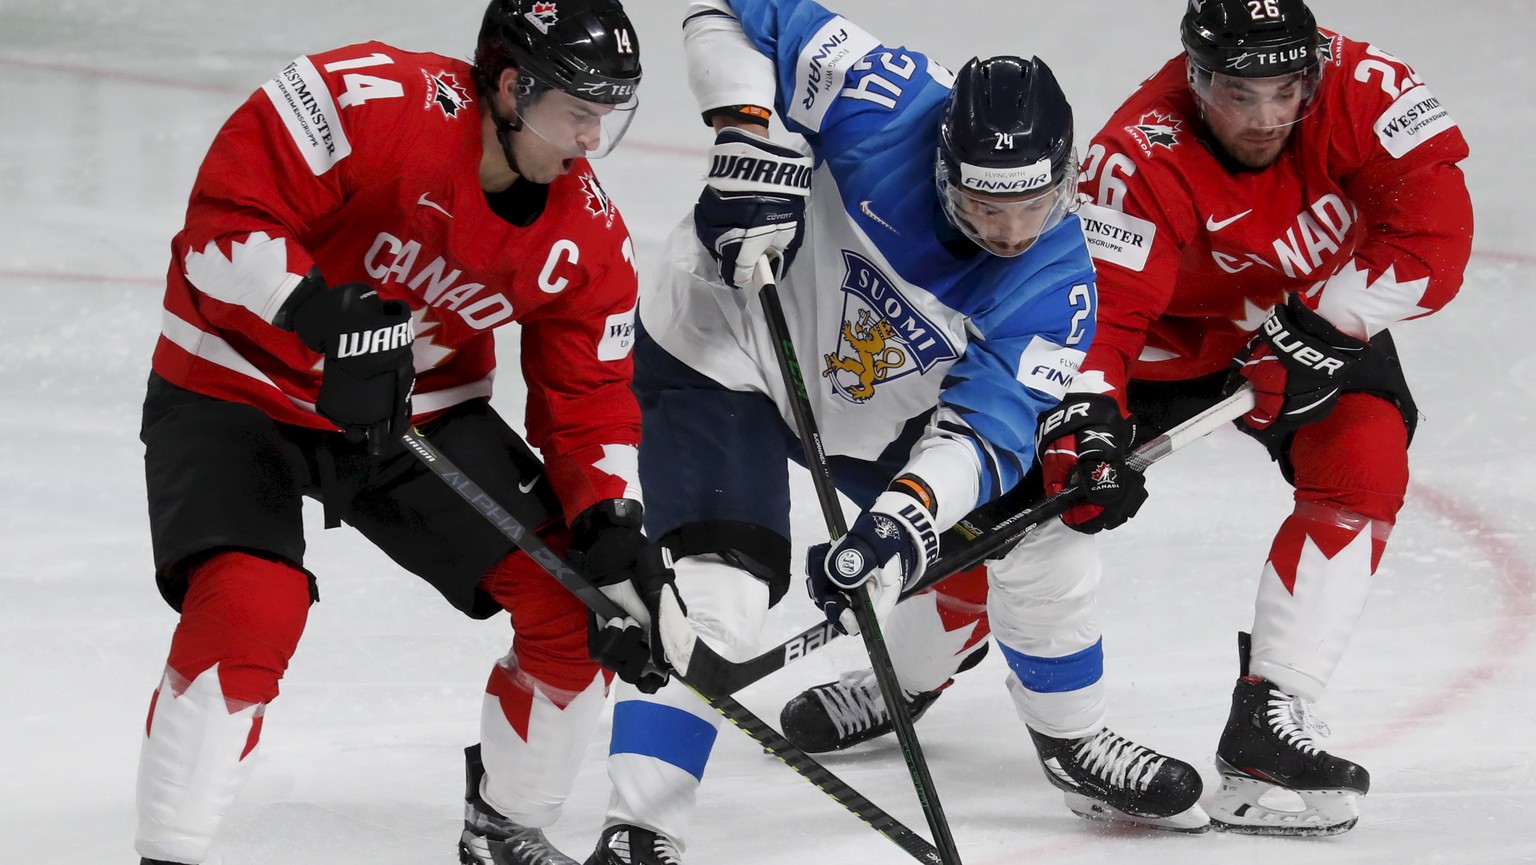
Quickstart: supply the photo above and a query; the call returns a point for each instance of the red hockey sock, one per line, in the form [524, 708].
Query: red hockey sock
[549, 626]
[245, 614]
[1354, 460]
[240, 623]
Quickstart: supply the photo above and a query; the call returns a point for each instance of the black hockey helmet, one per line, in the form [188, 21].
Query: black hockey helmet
[586, 49]
[1231, 45]
[1006, 168]
[1251, 38]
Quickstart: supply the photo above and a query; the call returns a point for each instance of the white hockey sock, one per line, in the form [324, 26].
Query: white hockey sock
[662, 741]
[194, 761]
[1044, 610]
[1311, 594]
[532, 739]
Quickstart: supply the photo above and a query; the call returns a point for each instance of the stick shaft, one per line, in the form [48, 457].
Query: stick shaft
[529, 542]
[963, 547]
[837, 526]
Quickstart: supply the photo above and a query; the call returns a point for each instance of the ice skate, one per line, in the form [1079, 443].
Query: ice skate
[841, 714]
[491, 839]
[631, 845]
[1275, 780]
[1109, 777]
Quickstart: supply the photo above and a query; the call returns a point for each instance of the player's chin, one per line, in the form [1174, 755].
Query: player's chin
[1006, 248]
[548, 172]
[1259, 154]
[559, 169]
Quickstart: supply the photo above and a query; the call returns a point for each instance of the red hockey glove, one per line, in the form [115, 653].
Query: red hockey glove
[1083, 443]
[1296, 362]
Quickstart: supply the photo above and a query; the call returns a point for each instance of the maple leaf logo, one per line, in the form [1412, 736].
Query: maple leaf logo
[426, 352]
[1253, 316]
[1156, 129]
[598, 202]
[238, 276]
[623, 462]
[1360, 303]
[543, 16]
[445, 91]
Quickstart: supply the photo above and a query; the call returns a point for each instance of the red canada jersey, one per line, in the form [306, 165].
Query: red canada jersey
[364, 162]
[1365, 213]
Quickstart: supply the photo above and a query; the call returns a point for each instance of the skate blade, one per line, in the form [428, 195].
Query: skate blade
[473, 850]
[1248, 806]
[1191, 820]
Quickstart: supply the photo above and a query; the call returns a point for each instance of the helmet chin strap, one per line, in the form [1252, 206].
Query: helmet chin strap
[527, 89]
[504, 129]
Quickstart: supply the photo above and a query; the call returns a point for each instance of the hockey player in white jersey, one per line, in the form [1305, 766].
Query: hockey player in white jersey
[937, 287]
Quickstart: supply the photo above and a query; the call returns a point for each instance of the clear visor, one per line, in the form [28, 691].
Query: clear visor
[577, 127]
[1256, 103]
[1007, 225]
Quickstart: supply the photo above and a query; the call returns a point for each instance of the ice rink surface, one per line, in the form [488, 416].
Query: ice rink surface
[108, 108]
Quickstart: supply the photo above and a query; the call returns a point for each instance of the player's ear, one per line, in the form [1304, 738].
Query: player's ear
[506, 87]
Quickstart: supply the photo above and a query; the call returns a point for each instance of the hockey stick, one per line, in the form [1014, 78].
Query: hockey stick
[837, 526]
[997, 539]
[967, 544]
[771, 741]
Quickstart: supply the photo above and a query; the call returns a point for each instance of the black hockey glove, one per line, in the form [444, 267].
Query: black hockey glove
[753, 203]
[1083, 443]
[889, 546]
[1296, 362]
[609, 549]
[366, 385]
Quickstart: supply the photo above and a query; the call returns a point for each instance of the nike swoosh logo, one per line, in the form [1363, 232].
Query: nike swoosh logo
[1212, 225]
[865, 209]
[528, 486]
[424, 201]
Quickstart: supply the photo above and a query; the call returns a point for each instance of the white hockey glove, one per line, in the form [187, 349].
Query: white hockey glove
[753, 203]
[889, 546]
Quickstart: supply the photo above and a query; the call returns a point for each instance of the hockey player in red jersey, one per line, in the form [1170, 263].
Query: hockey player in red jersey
[357, 230]
[1263, 209]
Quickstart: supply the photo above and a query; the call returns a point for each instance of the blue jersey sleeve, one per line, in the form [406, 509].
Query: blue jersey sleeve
[1034, 336]
[837, 85]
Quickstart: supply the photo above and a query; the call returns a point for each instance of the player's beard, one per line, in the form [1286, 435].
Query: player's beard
[1257, 151]
[1252, 147]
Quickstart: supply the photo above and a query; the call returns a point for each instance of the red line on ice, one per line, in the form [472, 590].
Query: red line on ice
[1515, 618]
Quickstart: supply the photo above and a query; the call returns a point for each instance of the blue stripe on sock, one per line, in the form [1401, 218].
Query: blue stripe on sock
[663, 732]
[1058, 675]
